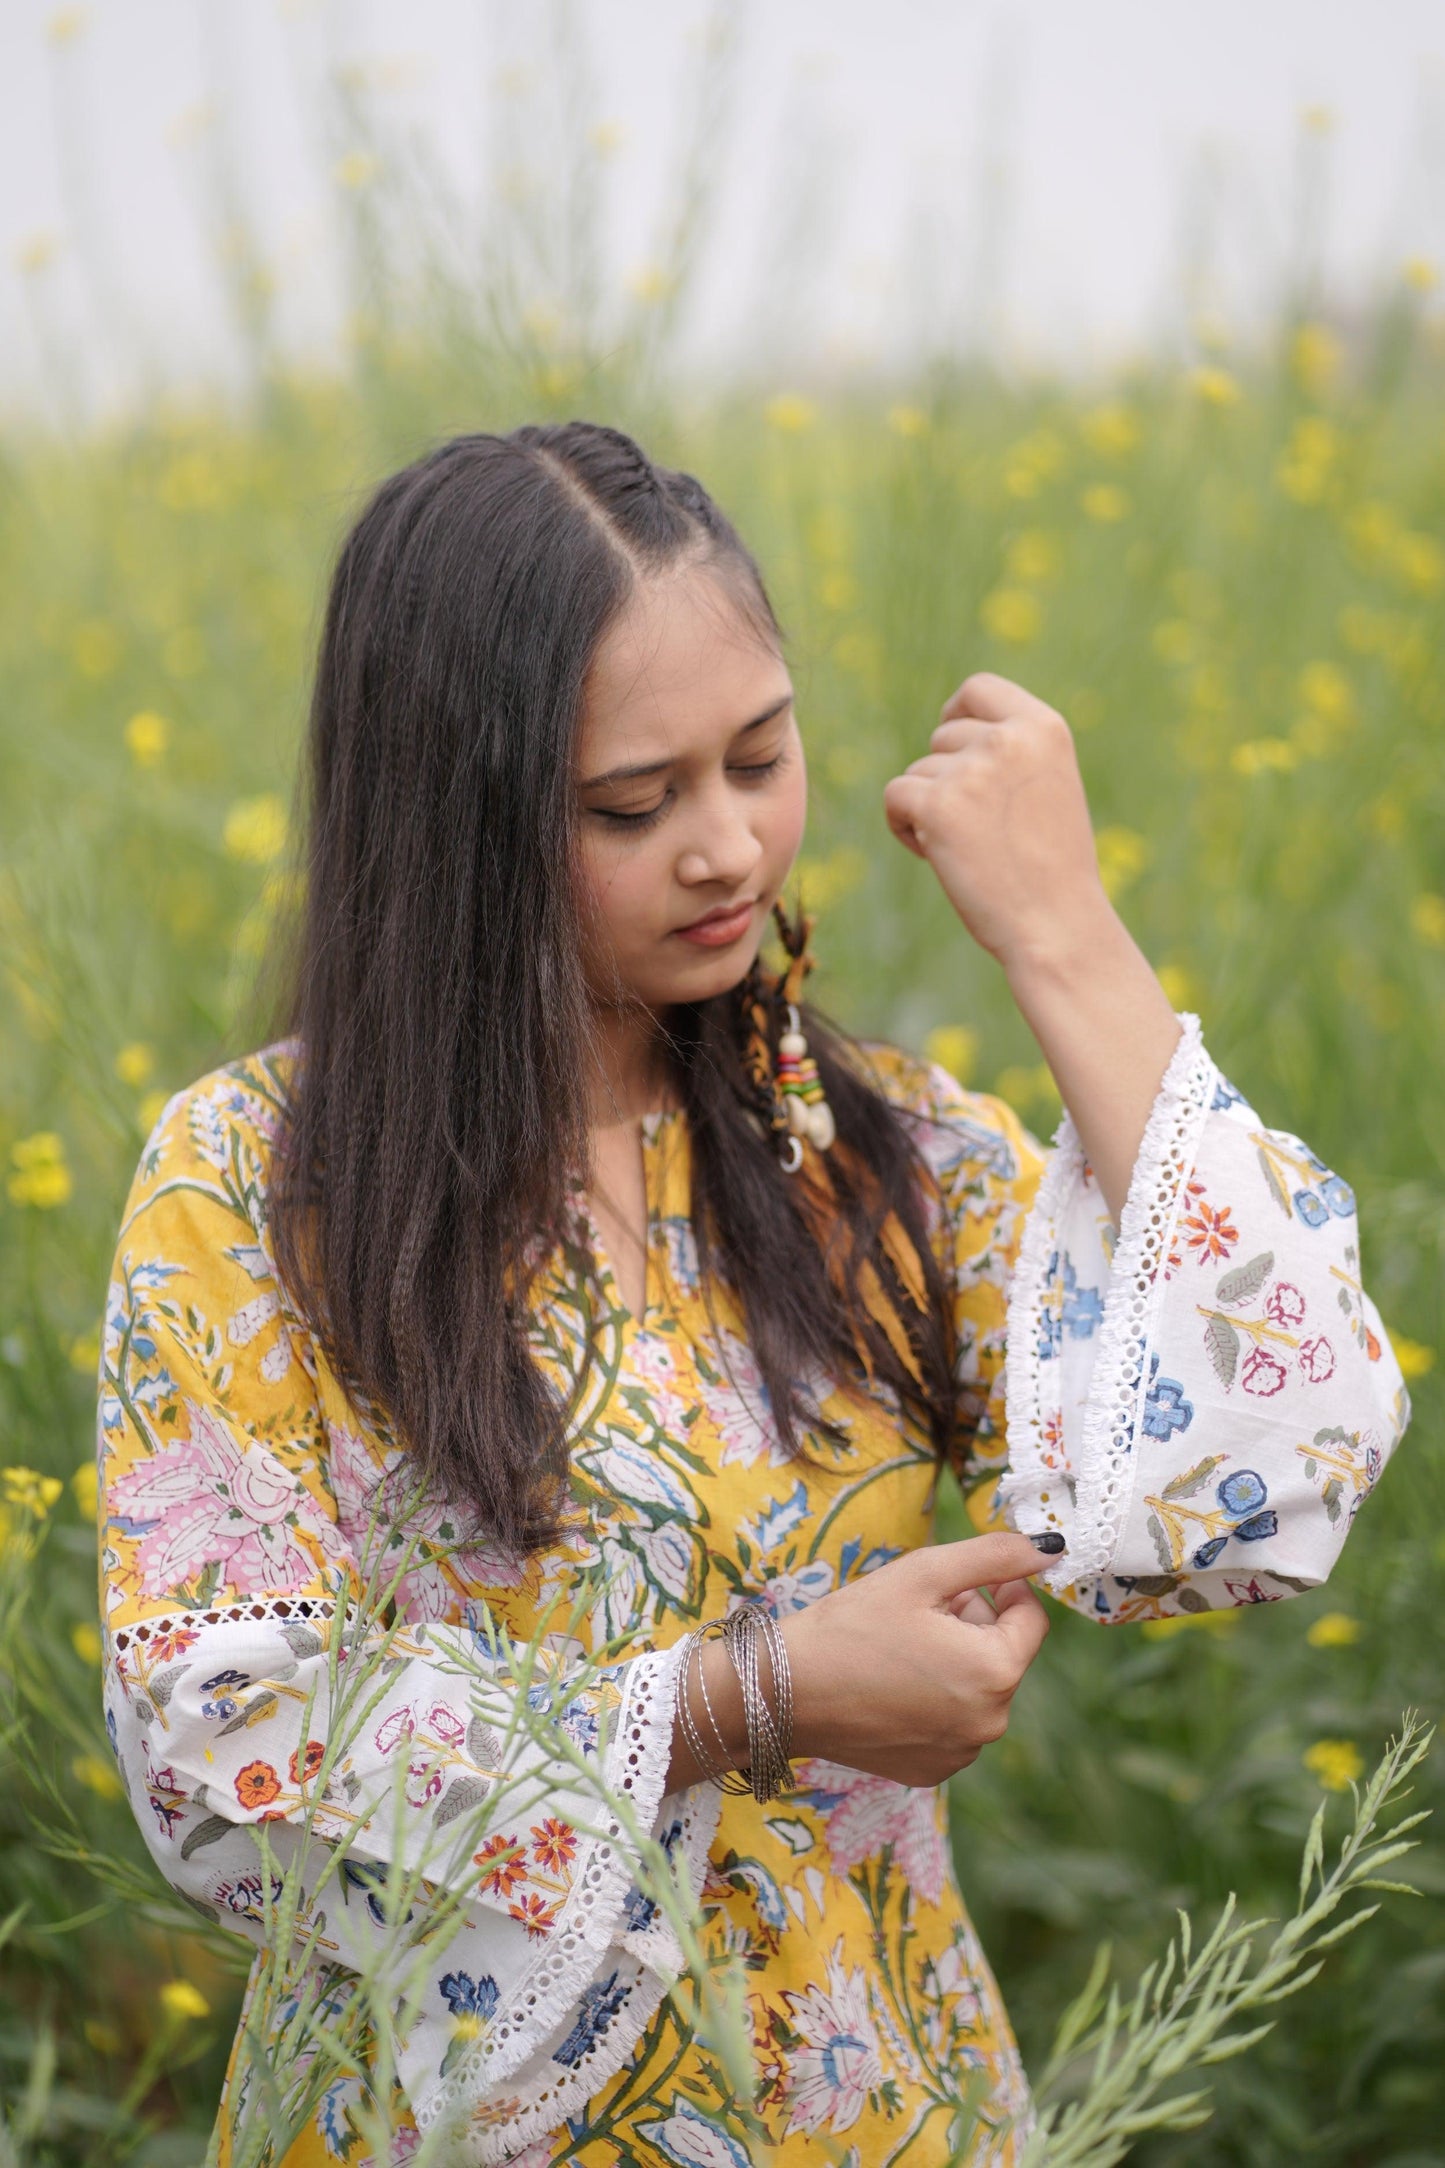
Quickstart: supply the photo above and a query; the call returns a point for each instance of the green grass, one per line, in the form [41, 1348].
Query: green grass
[1232, 585]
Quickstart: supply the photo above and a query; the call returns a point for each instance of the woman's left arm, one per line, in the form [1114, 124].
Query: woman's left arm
[1199, 1390]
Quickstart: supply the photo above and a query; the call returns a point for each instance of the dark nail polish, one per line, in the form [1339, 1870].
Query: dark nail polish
[1053, 1542]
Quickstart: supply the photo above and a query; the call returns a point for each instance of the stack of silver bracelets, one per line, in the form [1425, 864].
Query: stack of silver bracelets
[770, 1731]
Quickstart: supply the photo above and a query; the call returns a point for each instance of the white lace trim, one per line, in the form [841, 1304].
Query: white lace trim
[545, 2111]
[1103, 1479]
[637, 1766]
[240, 1614]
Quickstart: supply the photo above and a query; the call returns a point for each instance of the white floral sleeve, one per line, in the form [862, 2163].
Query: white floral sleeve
[1200, 1404]
[222, 1563]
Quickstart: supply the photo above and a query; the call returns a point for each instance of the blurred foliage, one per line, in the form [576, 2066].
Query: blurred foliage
[1227, 571]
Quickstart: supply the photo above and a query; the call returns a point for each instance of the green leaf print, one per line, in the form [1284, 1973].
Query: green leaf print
[1246, 1279]
[1222, 1341]
[1193, 1479]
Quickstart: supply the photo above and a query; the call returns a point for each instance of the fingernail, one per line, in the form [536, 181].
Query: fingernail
[1053, 1542]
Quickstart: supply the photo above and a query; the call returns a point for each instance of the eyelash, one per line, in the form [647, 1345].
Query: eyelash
[639, 823]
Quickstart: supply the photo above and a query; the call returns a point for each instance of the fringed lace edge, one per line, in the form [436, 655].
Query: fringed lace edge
[637, 1766]
[1097, 1494]
[1167, 1151]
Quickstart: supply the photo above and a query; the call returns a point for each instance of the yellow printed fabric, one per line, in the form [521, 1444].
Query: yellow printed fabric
[1198, 1401]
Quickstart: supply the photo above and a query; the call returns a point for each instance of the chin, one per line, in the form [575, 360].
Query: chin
[703, 977]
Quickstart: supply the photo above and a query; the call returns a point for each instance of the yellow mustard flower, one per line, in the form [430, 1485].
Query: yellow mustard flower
[28, 1491]
[1305, 467]
[822, 882]
[85, 1489]
[84, 1353]
[1012, 613]
[1333, 1630]
[180, 2000]
[146, 737]
[907, 421]
[1336, 1762]
[42, 1179]
[65, 24]
[1106, 502]
[1023, 1086]
[1314, 357]
[790, 411]
[85, 1641]
[1215, 386]
[35, 253]
[1323, 685]
[97, 1775]
[1111, 428]
[1123, 854]
[1413, 1357]
[607, 137]
[135, 1063]
[149, 1109]
[1427, 919]
[1264, 755]
[1032, 555]
[255, 829]
[838, 590]
[1419, 273]
[1420, 561]
[955, 1047]
[1317, 119]
[1181, 989]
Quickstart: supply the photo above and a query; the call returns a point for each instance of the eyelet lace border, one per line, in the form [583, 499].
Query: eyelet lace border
[544, 1995]
[1092, 1518]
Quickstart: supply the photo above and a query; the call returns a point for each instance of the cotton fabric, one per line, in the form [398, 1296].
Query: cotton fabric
[1198, 1401]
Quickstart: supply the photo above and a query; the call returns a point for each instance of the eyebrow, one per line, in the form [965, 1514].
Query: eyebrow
[655, 767]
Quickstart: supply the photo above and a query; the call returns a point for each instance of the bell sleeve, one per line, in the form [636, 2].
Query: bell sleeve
[1197, 1401]
[223, 1560]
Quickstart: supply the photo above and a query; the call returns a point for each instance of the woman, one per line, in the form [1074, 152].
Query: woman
[537, 1171]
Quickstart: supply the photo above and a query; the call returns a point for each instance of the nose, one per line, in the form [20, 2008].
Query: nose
[722, 847]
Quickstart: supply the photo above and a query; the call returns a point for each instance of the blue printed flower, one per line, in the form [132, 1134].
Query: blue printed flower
[1083, 1306]
[1257, 1526]
[1208, 1552]
[1241, 1492]
[1225, 1095]
[1311, 1208]
[1165, 1407]
[1339, 1196]
[638, 1909]
[466, 1997]
[597, 2006]
[1051, 1335]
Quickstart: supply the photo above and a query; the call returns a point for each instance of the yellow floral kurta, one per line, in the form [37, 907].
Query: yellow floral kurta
[237, 1482]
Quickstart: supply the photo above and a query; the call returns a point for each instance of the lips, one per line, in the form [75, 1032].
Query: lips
[718, 929]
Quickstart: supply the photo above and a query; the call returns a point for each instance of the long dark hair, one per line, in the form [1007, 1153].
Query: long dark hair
[437, 1108]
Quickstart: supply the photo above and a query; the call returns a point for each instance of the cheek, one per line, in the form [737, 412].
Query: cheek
[787, 817]
[619, 887]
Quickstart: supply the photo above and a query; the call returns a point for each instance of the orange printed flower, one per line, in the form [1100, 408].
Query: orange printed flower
[315, 1755]
[165, 1648]
[553, 1843]
[536, 1915]
[501, 1863]
[257, 1784]
[1209, 1233]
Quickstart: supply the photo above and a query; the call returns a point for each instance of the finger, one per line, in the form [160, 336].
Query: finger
[971, 1608]
[975, 1562]
[1024, 1624]
[961, 731]
[928, 765]
[904, 800]
[989, 697]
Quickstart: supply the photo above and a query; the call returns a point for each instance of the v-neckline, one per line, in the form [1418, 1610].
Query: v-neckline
[608, 1283]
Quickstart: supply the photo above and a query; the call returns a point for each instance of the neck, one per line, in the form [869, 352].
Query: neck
[627, 1070]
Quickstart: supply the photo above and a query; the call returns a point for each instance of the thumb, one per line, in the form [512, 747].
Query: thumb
[904, 800]
[945, 1569]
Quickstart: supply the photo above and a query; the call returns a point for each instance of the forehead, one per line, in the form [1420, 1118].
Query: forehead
[679, 668]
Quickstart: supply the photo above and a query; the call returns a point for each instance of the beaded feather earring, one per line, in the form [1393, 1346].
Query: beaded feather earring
[791, 1099]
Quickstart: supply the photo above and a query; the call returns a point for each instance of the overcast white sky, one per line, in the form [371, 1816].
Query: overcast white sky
[1026, 172]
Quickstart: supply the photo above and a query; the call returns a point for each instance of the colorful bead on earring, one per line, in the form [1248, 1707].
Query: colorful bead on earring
[801, 1088]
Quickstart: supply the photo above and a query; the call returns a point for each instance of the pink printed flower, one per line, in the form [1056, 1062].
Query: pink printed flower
[839, 2063]
[1317, 1359]
[875, 1811]
[205, 1500]
[1284, 1305]
[395, 1728]
[740, 1409]
[1263, 1373]
[447, 1724]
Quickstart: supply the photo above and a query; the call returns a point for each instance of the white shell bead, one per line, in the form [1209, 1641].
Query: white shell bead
[793, 1044]
[821, 1126]
[799, 1115]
